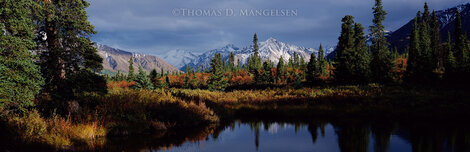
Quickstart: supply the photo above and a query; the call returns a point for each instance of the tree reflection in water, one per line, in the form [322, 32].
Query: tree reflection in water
[350, 135]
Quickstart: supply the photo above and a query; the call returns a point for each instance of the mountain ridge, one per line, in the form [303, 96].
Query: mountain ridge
[446, 18]
[116, 60]
[271, 49]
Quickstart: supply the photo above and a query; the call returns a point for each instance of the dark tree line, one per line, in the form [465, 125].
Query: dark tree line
[429, 59]
[58, 33]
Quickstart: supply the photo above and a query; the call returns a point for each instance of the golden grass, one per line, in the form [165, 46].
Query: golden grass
[56, 131]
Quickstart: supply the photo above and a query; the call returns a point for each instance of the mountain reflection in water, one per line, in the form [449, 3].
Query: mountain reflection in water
[337, 135]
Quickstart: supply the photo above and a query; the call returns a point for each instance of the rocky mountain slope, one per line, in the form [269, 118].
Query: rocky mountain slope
[118, 60]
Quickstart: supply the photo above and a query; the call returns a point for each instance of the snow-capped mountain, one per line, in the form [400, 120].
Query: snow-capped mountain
[118, 60]
[179, 58]
[204, 60]
[446, 18]
[271, 49]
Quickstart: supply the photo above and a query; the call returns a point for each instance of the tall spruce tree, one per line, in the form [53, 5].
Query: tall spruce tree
[312, 69]
[425, 55]
[344, 50]
[446, 51]
[254, 61]
[361, 56]
[438, 53]
[131, 74]
[20, 79]
[450, 63]
[461, 53]
[353, 58]
[382, 62]
[68, 50]
[231, 62]
[322, 63]
[414, 52]
[257, 58]
[217, 79]
[281, 69]
[425, 45]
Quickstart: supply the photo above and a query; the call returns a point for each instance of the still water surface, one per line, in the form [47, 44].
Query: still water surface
[307, 136]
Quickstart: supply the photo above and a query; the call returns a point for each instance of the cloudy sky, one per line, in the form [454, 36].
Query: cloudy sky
[157, 26]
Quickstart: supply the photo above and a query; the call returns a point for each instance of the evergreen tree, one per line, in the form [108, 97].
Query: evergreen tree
[167, 83]
[322, 63]
[382, 62]
[217, 79]
[153, 74]
[353, 58]
[414, 52]
[344, 50]
[312, 69]
[361, 56]
[194, 82]
[186, 84]
[281, 69]
[257, 59]
[267, 75]
[450, 64]
[131, 74]
[254, 61]
[186, 78]
[162, 72]
[438, 57]
[231, 62]
[188, 69]
[142, 81]
[154, 78]
[20, 79]
[290, 62]
[68, 49]
[239, 67]
[303, 64]
[296, 60]
[297, 82]
[119, 77]
[426, 63]
[461, 53]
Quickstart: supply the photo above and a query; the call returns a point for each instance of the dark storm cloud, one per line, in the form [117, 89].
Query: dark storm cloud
[148, 26]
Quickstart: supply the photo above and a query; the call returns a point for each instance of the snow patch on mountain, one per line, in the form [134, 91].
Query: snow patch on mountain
[179, 58]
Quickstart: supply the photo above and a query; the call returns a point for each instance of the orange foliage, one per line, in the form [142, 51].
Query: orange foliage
[120, 84]
[242, 78]
[400, 67]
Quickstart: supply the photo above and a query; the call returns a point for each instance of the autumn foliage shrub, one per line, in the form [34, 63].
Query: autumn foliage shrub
[55, 131]
[126, 111]
[120, 84]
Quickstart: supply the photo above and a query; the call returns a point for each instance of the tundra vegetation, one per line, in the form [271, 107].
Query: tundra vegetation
[52, 92]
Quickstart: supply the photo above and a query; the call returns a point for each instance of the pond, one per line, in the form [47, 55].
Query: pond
[337, 135]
